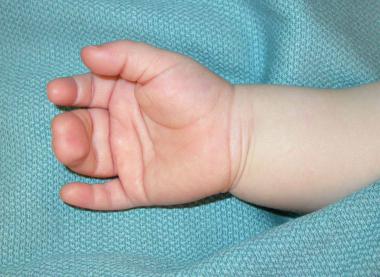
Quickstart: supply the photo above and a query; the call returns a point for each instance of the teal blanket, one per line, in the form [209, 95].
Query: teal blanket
[306, 43]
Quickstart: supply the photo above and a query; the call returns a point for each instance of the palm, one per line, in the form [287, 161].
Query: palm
[162, 133]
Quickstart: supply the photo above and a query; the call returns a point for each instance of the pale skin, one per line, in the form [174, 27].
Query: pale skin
[169, 131]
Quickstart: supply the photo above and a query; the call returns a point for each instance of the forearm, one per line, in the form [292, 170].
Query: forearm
[304, 148]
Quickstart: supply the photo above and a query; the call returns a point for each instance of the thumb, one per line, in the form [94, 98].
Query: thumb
[132, 61]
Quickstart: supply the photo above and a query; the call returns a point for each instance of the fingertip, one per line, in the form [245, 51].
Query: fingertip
[90, 56]
[104, 59]
[88, 50]
[62, 91]
[69, 138]
[77, 194]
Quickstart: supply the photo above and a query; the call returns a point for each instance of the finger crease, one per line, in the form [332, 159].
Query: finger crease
[96, 158]
[92, 90]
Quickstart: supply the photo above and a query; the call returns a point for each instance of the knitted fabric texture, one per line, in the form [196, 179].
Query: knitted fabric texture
[304, 43]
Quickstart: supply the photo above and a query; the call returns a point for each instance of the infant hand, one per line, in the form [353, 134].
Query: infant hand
[156, 121]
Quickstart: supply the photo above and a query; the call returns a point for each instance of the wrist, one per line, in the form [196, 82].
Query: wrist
[241, 135]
